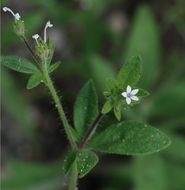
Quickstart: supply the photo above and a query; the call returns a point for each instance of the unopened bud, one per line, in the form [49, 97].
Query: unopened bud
[19, 28]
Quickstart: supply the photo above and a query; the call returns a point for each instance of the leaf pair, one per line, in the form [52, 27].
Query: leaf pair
[126, 138]
[24, 66]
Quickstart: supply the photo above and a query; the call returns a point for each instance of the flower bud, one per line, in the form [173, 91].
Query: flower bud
[19, 28]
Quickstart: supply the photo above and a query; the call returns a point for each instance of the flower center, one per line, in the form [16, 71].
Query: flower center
[129, 95]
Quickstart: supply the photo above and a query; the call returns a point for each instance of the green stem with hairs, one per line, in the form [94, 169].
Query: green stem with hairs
[74, 177]
[49, 84]
[59, 106]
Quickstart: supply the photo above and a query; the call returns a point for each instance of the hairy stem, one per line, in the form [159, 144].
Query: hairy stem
[49, 83]
[74, 177]
[91, 130]
[59, 107]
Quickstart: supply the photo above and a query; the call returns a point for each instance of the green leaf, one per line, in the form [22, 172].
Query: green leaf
[117, 112]
[34, 80]
[130, 138]
[54, 66]
[111, 83]
[130, 72]
[68, 161]
[86, 160]
[85, 109]
[142, 93]
[107, 107]
[18, 64]
[52, 50]
[144, 40]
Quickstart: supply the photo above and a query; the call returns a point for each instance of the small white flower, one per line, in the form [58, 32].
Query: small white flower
[48, 25]
[130, 94]
[36, 36]
[16, 15]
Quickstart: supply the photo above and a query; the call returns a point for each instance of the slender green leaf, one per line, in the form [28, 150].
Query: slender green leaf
[130, 72]
[142, 93]
[145, 41]
[130, 138]
[85, 109]
[107, 107]
[54, 66]
[34, 80]
[18, 64]
[117, 111]
[52, 50]
[86, 161]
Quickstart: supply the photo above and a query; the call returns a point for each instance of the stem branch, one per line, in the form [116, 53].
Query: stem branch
[30, 49]
[91, 130]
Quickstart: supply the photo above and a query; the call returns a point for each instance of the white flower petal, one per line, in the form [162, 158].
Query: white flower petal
[48, 25]
[129, 89]
[128, 100]
[124, 94]
[134, 92]
[135, 98]
[5, 9]
[17, 16]
[36, 36]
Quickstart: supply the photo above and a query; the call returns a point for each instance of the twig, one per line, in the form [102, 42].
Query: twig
[91, 130]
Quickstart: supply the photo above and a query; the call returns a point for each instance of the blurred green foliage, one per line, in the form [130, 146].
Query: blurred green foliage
[12, 99]
[155, 31]
[27, 175]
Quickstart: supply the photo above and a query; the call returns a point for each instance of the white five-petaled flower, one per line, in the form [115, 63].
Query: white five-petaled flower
[130, 94]
[16, 15]
[48, 25]
[36, 36]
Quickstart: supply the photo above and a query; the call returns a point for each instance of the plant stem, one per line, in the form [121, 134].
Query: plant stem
[31, 51]
[91, 130]
[59, 107]
[49, 83]
[74, 177]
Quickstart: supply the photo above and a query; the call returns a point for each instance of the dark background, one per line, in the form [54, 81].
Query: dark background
[93, 39]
